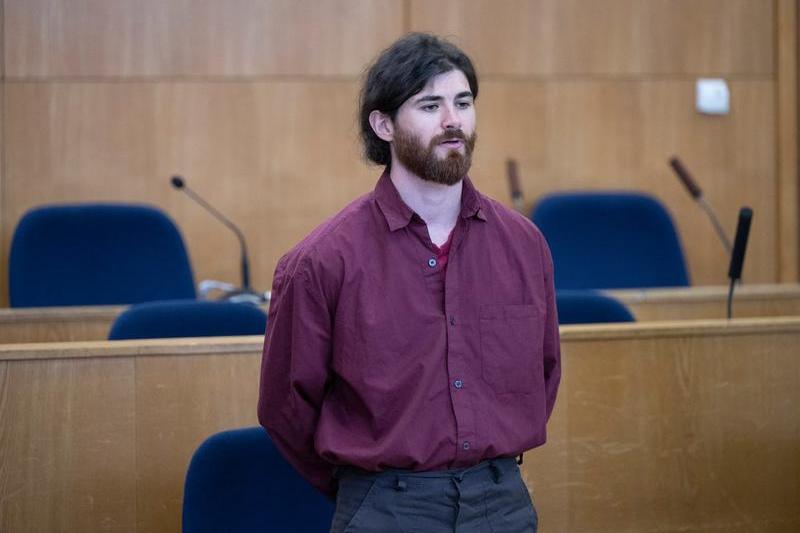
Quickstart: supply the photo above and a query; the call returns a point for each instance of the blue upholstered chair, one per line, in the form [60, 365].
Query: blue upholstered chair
[97, 254]
[238, 482]
[188, 318]
[603, 240]
[586, 307]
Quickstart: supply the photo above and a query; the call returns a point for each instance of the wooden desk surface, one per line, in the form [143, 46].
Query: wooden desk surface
[658, 426]
[57, 324]
[687, 303]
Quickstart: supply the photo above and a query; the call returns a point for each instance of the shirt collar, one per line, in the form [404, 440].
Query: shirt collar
[398, 214]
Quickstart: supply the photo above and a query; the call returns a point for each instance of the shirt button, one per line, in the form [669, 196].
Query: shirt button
[458, 383]
[432, 262]
[465, 445]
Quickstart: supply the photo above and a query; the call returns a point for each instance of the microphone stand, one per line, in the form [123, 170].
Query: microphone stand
[513, 182]
[245, 293]
[697, 194]
[244, 262]
[715, 222]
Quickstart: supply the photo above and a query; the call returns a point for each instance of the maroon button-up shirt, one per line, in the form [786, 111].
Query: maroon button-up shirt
[374, 358]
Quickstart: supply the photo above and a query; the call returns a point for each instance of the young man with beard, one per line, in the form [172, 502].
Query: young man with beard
[412, 350]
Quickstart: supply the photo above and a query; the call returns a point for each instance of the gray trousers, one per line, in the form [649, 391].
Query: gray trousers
[487, 498]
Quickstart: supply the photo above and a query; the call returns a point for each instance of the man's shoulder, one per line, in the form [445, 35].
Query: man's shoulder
[510, 220]
[322, 247]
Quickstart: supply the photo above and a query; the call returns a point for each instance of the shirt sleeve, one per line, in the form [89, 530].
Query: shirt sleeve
[552, 343]
[295, 373]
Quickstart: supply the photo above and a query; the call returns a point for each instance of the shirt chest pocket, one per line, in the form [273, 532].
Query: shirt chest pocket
[511, 347]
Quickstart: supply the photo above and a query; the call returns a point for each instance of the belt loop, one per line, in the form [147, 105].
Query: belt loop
[400, 484]
[497, 473]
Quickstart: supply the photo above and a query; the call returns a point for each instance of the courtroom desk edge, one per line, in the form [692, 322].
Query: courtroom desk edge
[254, 343]
[128, 348]
[704, 293]
[678, 328]
[60, 314]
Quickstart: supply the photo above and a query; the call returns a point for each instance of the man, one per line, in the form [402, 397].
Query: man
[412, 350]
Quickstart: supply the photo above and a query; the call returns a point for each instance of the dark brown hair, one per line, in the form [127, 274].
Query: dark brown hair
[400, 72]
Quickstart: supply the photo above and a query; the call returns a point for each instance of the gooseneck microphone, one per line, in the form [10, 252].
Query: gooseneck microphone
[179, 183]
[513, 183]
[697, 193]
[739, 249]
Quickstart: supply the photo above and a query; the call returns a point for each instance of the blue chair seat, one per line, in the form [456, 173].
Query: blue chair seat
[97, 254]
[188, 318]
[586, 307]
[605, 240]
[238, 482]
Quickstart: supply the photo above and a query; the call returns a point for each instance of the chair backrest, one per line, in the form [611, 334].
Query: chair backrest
[238, 482]
[586, 307]
[97, 254]
[605, 240]
[188, 318]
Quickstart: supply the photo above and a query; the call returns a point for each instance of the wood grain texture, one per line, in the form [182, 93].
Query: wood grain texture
[694, 433]
[188, 399]
[619, 135]
[607, 37]
[694, 303]
[122, 38]
[49, 325]
[67, 445]
[671, 426]
[788, 171]
[277, 158]
[56, 324]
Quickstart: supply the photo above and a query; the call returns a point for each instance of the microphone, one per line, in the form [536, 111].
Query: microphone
[513, 183]
[697, 194]
[739, 249]
[180, 184]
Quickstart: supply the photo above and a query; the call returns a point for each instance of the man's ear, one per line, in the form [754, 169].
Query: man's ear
[382, 125]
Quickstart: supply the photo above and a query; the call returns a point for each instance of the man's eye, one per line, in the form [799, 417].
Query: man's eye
[464, 105]
[430, 107]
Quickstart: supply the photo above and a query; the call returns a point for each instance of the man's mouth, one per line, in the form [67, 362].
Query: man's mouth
[453, 143]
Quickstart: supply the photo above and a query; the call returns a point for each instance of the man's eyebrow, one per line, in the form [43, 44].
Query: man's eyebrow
[430, 98]
[438, 98]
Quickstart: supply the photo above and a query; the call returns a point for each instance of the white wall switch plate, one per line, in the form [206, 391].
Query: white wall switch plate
[712, 96]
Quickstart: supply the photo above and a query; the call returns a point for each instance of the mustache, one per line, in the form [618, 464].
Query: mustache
[448, 135]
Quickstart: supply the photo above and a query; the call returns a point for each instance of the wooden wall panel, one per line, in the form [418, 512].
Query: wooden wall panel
[67, 446]
[219, 392]
[692, 428]
[276, 157]
[257, 151]
[3, 244]
[620, 134]
[583, 93]
[788, 176]
[687, 426]
[607, 37]
[123, 38]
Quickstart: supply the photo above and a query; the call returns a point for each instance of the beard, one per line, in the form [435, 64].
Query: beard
[423, 161]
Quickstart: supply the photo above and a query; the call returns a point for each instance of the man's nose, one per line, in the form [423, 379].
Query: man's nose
[451, 120]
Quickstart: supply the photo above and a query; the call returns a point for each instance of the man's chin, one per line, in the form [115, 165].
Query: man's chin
[445, 152]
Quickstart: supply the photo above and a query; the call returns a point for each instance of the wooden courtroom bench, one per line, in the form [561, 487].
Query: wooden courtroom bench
[687, 303]
[682, 426]
[55, 324]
